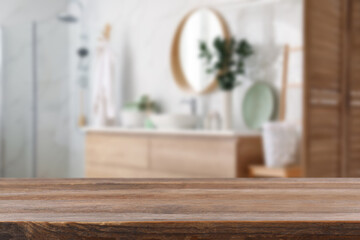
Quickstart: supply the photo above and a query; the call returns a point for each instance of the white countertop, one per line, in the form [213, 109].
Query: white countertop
[212, 133]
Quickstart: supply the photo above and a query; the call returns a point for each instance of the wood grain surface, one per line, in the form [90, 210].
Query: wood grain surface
[132, 155]
[180, 209]
[324, 96]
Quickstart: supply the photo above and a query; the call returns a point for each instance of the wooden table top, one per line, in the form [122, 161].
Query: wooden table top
[103, 206]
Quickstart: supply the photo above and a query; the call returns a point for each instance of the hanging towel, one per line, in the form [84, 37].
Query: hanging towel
[104, 102]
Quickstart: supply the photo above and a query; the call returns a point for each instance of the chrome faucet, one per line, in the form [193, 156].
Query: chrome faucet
[193, 105]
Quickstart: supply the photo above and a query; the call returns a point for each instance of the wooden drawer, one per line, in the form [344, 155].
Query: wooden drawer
[206, 157]
[116, 151]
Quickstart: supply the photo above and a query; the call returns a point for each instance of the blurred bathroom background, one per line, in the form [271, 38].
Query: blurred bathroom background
[46, 61]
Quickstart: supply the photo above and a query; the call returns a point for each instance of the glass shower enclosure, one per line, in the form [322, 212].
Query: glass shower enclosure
[34, 102]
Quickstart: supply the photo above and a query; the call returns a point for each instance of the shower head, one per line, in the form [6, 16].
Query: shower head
[68, 17]
[73, 13]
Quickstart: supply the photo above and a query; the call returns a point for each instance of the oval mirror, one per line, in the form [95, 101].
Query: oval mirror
[190, 72]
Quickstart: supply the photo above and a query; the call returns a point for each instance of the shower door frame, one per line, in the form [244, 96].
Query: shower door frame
[2, 157]
[34, 95]
[34, 103]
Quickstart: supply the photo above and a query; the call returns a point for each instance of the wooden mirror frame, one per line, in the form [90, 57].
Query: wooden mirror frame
[176, 67]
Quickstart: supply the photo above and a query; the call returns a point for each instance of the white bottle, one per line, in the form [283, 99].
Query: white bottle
[207, 122]
[216, 121]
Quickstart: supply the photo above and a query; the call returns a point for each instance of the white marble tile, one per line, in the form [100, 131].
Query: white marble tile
[53, 81]
[53, 99]
[17, 97]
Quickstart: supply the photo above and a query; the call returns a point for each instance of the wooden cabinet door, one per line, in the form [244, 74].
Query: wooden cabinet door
[352, 146]
[324, 54]
[106, 152]
[196, 156]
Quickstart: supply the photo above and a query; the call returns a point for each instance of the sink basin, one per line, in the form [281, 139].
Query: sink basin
[174, 121]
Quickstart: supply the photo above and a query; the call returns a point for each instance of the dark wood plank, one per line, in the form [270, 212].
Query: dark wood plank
[325, 27]
[180, 209]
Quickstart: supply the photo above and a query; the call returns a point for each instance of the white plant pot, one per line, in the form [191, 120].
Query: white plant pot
[133, 119]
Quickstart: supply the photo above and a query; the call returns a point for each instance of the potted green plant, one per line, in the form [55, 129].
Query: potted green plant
[135, 114]
[227, 60]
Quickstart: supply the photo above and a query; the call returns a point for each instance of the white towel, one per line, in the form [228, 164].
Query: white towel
[104, 101]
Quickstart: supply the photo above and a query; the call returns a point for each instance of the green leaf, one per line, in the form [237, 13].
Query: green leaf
[244, 49]
[204, 52]
[229, 66]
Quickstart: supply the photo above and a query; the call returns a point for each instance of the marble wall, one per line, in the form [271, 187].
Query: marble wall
[17, 18]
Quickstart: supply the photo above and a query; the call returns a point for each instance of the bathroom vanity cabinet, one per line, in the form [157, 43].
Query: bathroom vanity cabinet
[118, 153]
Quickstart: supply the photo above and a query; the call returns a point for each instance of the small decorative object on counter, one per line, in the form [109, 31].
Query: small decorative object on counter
[230, 62]
[281, 144]
[149, 124]
[145, 104]
[216, 121]
[133, 118]
[207, 121]
[212, 121]
[135, 114]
